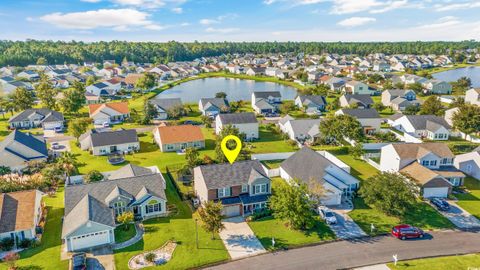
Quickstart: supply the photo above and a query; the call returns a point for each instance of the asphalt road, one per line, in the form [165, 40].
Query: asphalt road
[368, 251]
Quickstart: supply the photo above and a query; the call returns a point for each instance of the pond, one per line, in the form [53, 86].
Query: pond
[236, 89]
[452, 75]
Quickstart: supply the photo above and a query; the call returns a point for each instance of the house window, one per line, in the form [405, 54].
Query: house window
[119, 208]
[223, 192]
[151, 208]
[262, 188]
[244, 188]
[170, 147]
[433, 163]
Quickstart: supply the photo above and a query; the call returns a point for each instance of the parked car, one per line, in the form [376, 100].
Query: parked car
[440, 204]
[405, 231]
[58, 129]
[55, 145]
[327, 215]
[79, 261]
[106, 125]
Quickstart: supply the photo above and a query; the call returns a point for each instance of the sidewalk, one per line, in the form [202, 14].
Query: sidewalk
[138, 236]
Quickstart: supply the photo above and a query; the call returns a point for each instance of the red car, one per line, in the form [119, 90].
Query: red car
[405, 231]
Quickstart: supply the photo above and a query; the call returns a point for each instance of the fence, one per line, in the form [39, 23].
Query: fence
[175, 184]
[371, 162]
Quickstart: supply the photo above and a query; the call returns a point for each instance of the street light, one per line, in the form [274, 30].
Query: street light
[196, 231]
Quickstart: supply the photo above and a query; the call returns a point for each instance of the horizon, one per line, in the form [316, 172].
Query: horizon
[248, 21]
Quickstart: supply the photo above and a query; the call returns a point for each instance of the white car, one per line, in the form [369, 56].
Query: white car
[327, 215]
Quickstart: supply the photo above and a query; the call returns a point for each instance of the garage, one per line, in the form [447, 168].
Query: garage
[439, 192]
[231, 210]
[52, 125]
[90, 240]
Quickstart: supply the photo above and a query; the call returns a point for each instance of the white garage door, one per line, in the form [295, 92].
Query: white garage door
[441, 192]
[231, 211]
[90, 240]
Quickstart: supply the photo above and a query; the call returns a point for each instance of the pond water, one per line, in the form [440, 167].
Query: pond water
[236, 89]
[452, 75]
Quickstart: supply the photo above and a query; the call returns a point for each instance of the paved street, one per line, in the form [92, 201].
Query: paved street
[361, 252]
[239, 239]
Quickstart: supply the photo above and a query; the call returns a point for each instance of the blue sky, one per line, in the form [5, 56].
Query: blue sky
[246, 20]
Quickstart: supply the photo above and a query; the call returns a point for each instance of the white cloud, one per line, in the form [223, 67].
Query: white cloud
[144, 4]
[208, 21]
[352, 6]
[456, 6]
[221, 30]
[91, 1]
[356, 21]
[185, 24]
[177, 10]
[443, 22]
[221, 18]
[116, 19]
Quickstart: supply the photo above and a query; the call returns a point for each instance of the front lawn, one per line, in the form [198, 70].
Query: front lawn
[122, 234]
[470, 201]
[47, 254]
[181, 228]
[470, 261]
[423, 215]
[267, 228]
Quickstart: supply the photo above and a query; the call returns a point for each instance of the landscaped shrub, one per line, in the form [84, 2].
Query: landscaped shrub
[26, 243]
[6, 244]
[261, 214]
[150, 257]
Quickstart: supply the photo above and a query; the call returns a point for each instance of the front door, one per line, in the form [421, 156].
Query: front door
[113, 149]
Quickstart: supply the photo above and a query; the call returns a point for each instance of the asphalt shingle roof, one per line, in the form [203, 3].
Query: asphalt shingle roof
[113, 137]
[227, 175]
[237, 118]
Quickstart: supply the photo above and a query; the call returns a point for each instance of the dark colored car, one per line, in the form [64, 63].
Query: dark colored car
[79, 261]
[189, 122]
[405, 231]
[440, 204]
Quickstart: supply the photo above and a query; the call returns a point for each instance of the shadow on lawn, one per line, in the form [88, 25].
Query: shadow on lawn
[280, 243]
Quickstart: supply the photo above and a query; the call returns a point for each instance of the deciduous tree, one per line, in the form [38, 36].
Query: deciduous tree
[432, 106]
[467, 119]
[211, 216]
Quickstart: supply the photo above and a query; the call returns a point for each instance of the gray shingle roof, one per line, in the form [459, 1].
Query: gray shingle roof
[362, 113]
[316, 99]
[424, 122]
[113, 137]
[227, 175]
[166, 103]
[237, 118]
[358, 98]
[217, 102]
[306, 164]
[129, 170]
[88, 201]
[266, 94]
[25, 146]
[48, 115]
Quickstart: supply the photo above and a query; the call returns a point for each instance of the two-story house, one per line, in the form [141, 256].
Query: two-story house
[91, 209]
[399, 99]
[245, 122]
[423, 126]
[266, 102]
[472, 96]
[311, 104]
[356, 101]
[213, 106]
[429, 164]
[241, 187]
[356, 87]
[437, 87]
[307, 165]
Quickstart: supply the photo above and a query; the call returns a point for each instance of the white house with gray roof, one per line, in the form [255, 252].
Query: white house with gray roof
[423, 126]
[301, 130]
[266, 102]
[368, 118]
[213, 106]
[245, 122]
[307, 165]
[91, 209]
[111, 141]
[32, 118]
[164, 105]
[311, 104]
[18, 148]
[359, 101]
[242, 187]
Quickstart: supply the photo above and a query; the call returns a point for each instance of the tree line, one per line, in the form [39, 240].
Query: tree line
[22, 53]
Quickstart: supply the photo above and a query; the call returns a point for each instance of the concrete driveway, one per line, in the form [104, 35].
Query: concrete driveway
[459, 217]
[239, 239]
[346, 228]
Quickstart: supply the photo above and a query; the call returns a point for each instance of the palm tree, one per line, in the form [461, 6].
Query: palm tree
[68, 163]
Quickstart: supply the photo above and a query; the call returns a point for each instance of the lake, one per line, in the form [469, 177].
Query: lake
[452, 75]
[236, 89]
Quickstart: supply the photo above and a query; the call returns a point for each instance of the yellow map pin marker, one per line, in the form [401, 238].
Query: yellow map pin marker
[231, 154]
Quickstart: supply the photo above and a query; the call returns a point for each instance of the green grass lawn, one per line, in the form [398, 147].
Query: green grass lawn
[4, 127]
[423, 215]
[47, 255]
[122, 234]
[269, 227]
[470, 201]
[180, 227]
[471, 261]
[270, 142]
[272, 164]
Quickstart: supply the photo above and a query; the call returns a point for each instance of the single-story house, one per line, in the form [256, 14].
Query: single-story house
[18, 148]
[213, 106]
[472, 96]
[469, 163]
[245, 122]
[177, 138]
[311, 104]
[368, 118]
[241, 187]
[21, 212]
[301, 130]
[424, 126]
[108, 142]
[115, 112]
[307, 165]
[359, 101]
[164, 105]
[32, 118]
[91, 209]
